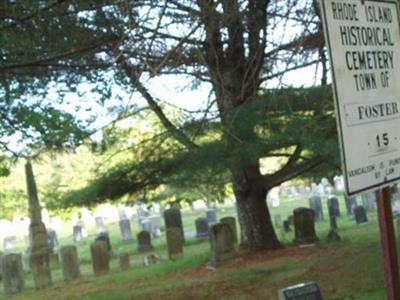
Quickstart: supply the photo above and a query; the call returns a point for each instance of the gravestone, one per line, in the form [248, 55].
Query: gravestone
[9, 242]
[222, 244]
[100, 226]
[70, 262]
[11, 266]
[211, 216]
[144, 241]
[278, 221]
[53, 239]
[173, 218]
[351, 203]
[286, 226]
[369, 201]
[77, 233]
[201, 228]
[333, 207]
[174, 243]
[304, 229]
[304, 291]
[316, 205]
[360, 215]
[100, 257]
[39, 262]
[125, 228]
[124, 262]
[105, 237]
[333, 233]
[231, 221]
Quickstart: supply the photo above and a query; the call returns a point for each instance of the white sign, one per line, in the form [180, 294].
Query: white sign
[363, 39]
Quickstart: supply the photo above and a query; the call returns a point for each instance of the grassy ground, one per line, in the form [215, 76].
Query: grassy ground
[349, 269]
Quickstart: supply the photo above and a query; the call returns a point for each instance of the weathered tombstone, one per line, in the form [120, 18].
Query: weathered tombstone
[174, 243]
[369, 201]
[351, 203]
[105, 237]
[53, 239]
[77, 233]
[278, 221]
[201, 228]
[151, 259]
[155, 225]
[304, 229]
[304, 291]
[333, 234]
[333, 207]
[125, 228]
[286, 226]
[9, 242]
[100, 226]
[124, 262]
[100, 257]
[360, 215]
[69, 262]
[316, 205]
[144, 241]
[173, 218]
[211, 216]
[11, 266]
[39, 262]
[146, 225]
[222, 244]
[231, 221]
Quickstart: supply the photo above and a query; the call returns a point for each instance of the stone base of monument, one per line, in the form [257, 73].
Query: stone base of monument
[40, 265]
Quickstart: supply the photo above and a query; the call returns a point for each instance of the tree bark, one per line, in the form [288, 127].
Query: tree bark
[254, 218]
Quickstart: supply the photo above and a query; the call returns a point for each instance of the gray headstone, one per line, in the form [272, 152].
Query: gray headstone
[124, 261]
[105, 237]
[9, 242]
[278, 221]
[304, 291]
[333, 207]
[315, 204]
[174, 243]
[53, 239]
[125, 228]
[77, 233]
[100, 258]
[286, 226]
[360, 215]
[144, 241]
[351, 203]
[173, 218]
[11, 266]
[304, 229]
[222, 244]
[211, 216]
[231, 221]
[40, 265]
[369, 201]
[70, 262]
[100, 225]
[201, 228]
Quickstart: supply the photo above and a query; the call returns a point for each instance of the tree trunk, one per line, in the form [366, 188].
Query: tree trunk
[254, 218]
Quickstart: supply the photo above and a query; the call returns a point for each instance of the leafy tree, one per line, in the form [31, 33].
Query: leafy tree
[235, 46]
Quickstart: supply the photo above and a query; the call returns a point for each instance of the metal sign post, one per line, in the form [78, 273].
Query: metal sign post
[388, 242]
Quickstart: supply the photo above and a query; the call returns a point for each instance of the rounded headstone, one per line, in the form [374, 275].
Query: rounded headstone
[360, 215]
[315, 204]
[173, 218]
[201, 228]
[125, 228]
[231, 221]
[222, 244]
[100, 257]
[11, 266]
[174, 243]
[304, 227]
[144, 241]
[105, 237]
[69, 262]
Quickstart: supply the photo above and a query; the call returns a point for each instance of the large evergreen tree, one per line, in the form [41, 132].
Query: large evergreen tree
[234, 45]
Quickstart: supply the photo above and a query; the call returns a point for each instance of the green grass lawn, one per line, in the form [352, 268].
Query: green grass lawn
[349, 269]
